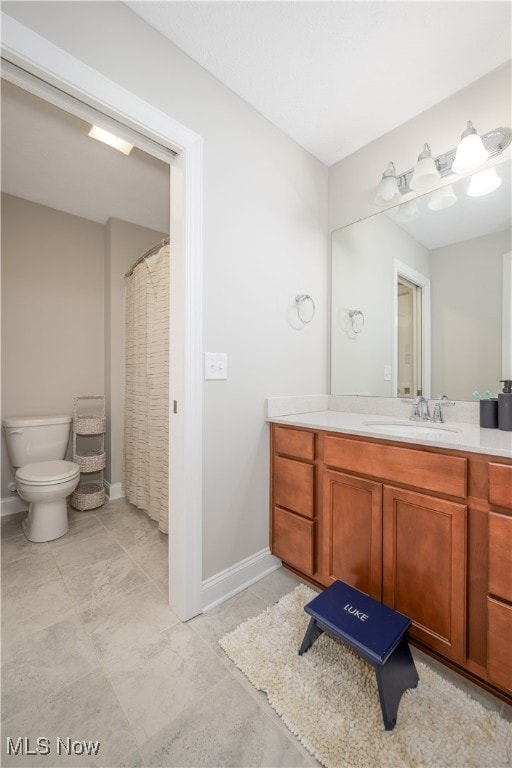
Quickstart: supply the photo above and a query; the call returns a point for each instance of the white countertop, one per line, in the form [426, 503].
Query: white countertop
[463, 437]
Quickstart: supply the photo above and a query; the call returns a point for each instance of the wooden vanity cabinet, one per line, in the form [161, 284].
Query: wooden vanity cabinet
[425, 530]
[499, 599]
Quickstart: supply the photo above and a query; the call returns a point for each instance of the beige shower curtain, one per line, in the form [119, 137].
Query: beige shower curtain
[146, 438]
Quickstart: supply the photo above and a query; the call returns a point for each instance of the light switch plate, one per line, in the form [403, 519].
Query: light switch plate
[387, 373]
[215, 366]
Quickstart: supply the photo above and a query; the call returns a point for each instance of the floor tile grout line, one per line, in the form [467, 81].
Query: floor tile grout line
[179, 714]
[127, 551]
[114, 693]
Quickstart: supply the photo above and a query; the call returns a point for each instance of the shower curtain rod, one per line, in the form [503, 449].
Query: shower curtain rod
[148, 253]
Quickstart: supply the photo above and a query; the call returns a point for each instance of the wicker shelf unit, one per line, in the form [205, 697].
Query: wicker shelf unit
[89, 426]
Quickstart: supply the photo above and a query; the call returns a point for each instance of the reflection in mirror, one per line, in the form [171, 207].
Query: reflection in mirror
[409, 296]
[453, 246]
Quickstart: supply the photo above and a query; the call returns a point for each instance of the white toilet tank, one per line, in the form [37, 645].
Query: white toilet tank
[36, 438]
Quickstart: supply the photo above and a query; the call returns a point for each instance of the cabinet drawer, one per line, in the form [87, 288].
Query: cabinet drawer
[431, 471]
[293, 485]
[499, 643]
[294, 442]
[292, 540]
[500, 556]
[500, 485]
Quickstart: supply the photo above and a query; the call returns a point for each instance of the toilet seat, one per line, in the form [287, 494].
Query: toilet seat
[47, 472]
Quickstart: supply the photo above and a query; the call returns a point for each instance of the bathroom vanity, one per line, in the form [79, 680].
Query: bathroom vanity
[421, 522]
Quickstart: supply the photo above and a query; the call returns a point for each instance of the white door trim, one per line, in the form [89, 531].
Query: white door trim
[38, 56]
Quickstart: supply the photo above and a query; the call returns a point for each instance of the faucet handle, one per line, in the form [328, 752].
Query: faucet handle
[437, 416]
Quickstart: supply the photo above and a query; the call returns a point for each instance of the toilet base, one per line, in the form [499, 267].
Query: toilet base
[46, 520]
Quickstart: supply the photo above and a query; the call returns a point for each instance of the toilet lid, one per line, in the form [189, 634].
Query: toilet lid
[47, 472]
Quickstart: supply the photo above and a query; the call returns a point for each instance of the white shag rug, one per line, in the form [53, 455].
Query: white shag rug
[329, 699]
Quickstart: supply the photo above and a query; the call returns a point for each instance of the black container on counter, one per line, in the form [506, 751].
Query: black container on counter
[505, 406]
[489, 413]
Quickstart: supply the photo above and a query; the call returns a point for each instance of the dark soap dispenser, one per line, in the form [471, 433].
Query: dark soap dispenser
[505, 406]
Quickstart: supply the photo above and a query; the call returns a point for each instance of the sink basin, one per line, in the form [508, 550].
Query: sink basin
[410, 428]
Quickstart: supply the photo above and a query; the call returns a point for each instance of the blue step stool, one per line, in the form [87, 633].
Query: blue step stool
[374, 631]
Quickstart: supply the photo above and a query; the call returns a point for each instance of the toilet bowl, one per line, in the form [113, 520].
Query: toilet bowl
[45, 485]
[36, 446]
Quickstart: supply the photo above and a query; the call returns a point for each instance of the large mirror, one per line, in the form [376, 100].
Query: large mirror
[420, 296]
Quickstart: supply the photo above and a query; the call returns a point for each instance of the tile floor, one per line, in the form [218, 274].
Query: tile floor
[92, 653]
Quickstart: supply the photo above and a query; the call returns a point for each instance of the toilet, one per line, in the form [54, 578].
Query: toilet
[36, 447]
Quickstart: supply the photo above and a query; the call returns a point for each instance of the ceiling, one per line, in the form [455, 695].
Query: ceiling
[48, 158]
[337, 75]
[332, 75]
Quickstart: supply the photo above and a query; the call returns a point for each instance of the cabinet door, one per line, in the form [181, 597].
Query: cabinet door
[499, 643]
[424, 575]
[500, 556]
[352, 509]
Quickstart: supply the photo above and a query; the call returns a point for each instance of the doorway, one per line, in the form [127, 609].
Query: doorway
[409, 358]
[411, 334]
[52, 65]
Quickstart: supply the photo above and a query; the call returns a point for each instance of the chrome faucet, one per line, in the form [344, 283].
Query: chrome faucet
[437, 416]
[420, 411]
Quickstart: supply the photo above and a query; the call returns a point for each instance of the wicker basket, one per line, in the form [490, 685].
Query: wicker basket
[88, 496]
[89, 424]
[89, 421]
[91, 461]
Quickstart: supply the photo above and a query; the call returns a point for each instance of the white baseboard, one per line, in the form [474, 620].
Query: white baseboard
[114, 491]
[227, 583]
[12, 504]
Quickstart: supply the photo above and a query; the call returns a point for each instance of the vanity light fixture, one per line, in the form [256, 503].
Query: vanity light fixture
[425, 175]
[428, 168]
[484, 183]
[108, 138]
[471, 153]
[387, 191]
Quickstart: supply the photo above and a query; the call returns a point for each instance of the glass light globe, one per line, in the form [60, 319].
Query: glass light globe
[387, 191]
[484, 183]
[470, 153]
[442, 198]
[425, 175]
[407, 211]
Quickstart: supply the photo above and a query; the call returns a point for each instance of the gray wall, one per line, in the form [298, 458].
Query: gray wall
[467, 286]
[63, 315]
[264, 239]
[52, 311]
